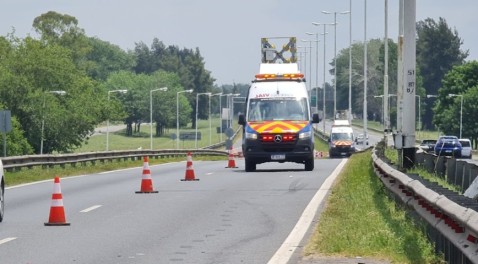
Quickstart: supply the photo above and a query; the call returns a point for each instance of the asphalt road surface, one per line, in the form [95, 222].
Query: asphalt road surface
[227, 216]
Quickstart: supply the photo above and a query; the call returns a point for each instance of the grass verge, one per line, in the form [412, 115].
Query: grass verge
[361, 220]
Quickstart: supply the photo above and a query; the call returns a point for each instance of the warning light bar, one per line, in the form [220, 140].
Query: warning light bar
[280, 76]
[273, 138]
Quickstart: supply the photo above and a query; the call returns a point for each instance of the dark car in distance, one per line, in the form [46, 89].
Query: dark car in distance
[448, 146]
[428, 145]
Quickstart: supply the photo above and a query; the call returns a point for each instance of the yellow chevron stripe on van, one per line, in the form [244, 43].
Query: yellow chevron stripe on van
[343, 143]
[278, 126]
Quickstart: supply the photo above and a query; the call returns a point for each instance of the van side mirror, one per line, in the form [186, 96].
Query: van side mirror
[241, 120]
[315, 118]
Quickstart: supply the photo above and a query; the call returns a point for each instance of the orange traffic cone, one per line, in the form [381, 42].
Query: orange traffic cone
[146, 182]
[232, 162]
[189, 169]
[57, 212]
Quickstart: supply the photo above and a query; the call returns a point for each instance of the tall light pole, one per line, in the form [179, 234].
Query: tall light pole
[384, 117]
[323, 106]
[335, 56]
[177, 115]
[151, 112]
[210, 128]
[419, 112]
[317, 69]
[310, 64]
[350, 63]
[197, 102]
[108, 120]
[43, 118]
[220, 113]
[461, 109]
[383, 114]
[385, 76]
[365, 69]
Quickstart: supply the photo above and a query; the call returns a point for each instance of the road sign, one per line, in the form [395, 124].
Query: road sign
[228, 144]
[229, 132]
[189, 135]
[5, 121]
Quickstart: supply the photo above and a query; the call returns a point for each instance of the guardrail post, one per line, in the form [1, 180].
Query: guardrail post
[472, 175]
[429, 163]
[451, 170]
[440, 166]
[467, 176]
[459, 173]
[420, 158]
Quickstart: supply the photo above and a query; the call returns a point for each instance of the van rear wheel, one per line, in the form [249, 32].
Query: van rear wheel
[250, 165]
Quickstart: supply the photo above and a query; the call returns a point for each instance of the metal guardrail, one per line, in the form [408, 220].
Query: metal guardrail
[454, 218]
[29, 161]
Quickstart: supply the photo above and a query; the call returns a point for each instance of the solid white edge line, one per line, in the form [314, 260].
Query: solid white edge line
[8, 239]
[292, 242]
[90, 208]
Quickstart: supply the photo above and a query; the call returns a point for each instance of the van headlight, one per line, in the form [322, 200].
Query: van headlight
[252, 136]
[305, 135]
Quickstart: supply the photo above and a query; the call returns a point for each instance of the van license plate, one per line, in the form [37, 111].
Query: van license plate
[278, 157]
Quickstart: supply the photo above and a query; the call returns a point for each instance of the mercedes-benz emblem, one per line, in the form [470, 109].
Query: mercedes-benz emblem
[277, 138]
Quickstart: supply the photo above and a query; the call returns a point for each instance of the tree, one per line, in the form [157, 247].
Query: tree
[461, 80]
[63, 30]
[438, 50]
[28, 72]
[105, 58]
[187, 64]
[136, 102]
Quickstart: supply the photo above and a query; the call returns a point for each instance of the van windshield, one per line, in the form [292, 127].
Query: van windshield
[341, 136]
[262, 109]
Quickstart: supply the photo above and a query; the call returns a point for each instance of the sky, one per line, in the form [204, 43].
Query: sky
[228, 33]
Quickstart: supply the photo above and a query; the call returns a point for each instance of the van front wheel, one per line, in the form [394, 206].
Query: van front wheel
[309, 164]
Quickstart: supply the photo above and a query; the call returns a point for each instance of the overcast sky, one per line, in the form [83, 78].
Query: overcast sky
[228, 32]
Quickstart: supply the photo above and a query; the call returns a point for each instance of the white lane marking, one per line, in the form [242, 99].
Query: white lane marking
[90, 209]
[8, 239]
[292, 242]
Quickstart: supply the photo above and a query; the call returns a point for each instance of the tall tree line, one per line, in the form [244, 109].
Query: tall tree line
[63, 84]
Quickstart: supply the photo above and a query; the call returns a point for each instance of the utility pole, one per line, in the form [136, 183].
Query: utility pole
[406, 117]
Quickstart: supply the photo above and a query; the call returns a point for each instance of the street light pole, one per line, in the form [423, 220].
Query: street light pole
[177, 115]
[323, 106]
[108, 120]
[210, 128]
[43, 118]
[461, 109]
[197, 102]
[350, 62]
[419, 113]
[317, 69]
[335, 57]
[151, 112]
[365, 73]
[310, 65]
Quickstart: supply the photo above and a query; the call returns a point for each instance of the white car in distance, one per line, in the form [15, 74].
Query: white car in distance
[465, 148]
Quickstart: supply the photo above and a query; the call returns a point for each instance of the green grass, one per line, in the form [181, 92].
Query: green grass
[392, 155]
[119, 141]
[360, 220]
[321, 145]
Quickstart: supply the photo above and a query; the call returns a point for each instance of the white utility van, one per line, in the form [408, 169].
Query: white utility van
[277, 124]
[341, 140]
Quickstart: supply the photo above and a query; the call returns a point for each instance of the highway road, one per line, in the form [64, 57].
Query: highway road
[227, 216]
